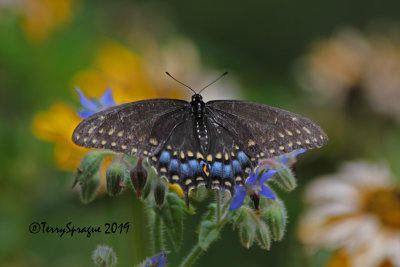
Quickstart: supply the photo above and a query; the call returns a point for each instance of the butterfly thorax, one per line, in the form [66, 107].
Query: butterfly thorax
[198, 107]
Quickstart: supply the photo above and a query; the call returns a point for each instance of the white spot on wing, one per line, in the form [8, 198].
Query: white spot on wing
[251, 143]
[153, 141]
[306, 130]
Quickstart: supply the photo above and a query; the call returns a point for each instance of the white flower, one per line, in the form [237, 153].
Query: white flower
[355, 212]
[353, 64]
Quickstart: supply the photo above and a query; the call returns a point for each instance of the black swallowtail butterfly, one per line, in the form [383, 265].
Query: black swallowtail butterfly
[217, 143]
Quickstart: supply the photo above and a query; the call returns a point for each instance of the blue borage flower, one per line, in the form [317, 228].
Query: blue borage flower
[290, 158]
[93, 106]
[158, 261]
[254, 187]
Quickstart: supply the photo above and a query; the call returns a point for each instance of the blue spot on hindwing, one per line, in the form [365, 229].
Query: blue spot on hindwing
[185, 170]
[195, 166]
[174, 166]
[216, 170]
[236, 166]
[165, 157]
[227, 172]
[243, 159]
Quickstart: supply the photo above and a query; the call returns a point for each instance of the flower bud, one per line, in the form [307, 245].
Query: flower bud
[247, 226]
[263, 235]
[274, 213]
[285, 179]
[159, 192]
[89, 188]
[246, 235]
[147, 187]
[104, 256]
[138, 176]
[89, 165]
[114, 177]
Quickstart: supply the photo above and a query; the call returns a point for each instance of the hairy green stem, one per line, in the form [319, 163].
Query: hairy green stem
[158, 235]
[197, 250]
[192, 257]
[218, 217]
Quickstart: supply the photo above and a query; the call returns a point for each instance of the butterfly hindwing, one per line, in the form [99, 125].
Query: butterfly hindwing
[264, 131]
[181, 159]
[138, 128]
[229, 165]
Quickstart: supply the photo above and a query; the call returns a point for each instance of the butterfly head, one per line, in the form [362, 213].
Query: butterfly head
[197, 98]
[197, 105]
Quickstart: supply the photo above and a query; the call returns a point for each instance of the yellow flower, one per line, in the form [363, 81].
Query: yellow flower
[56, 126]
[126, 73]
[176, 189]
[355, 212]
[115, 66]
[41, 17]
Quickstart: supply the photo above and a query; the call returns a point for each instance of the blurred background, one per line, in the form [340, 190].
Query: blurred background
[336, 62]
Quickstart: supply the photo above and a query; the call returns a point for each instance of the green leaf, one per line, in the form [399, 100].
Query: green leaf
[200, 193]
[171, 214]
[208, 234]
[189, 210]
[212, 211]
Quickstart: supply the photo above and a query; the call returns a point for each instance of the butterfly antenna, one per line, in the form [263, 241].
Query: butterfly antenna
[180, 82]
[223, 74]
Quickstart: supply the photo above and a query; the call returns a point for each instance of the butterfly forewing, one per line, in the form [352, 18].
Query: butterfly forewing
[138, 128]
[263, 131]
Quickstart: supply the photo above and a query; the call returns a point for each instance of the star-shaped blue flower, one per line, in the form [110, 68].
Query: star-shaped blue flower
[158, 260]
[254, 187]
[94, 105]
[289, 158]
